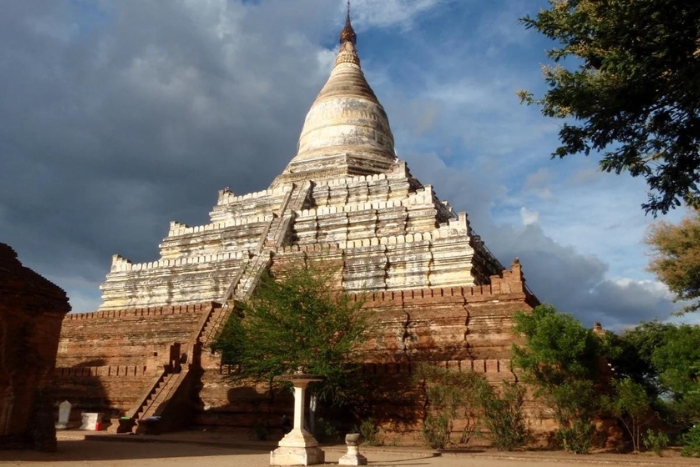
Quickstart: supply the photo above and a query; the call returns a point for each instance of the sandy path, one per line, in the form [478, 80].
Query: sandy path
[108, 454]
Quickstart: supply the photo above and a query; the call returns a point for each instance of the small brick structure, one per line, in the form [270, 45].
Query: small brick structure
[31, 311]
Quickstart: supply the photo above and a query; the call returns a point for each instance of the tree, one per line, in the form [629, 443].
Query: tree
[678, 362]
[676, 257]
[561, 359]
[632, 91]
[630, 404]
[665, 360]
[634, 350]
[299, 320]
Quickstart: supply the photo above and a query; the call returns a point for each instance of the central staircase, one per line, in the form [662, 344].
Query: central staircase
[155, 406]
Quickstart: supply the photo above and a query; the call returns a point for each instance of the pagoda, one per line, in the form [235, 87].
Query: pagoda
[344, 197]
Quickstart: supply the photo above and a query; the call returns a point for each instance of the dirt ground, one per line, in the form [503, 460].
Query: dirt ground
[77, 452]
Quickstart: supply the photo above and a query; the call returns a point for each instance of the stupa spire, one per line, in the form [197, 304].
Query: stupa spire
[348, 33]
[346, 131]
[348, 40]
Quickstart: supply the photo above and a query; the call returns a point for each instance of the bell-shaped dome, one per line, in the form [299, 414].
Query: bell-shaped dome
[346, 131]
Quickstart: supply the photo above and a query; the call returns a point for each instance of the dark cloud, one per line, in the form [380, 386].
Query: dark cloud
[114, 121]
[558, 274]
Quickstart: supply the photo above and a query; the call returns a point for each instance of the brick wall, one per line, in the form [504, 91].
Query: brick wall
[107, 359]
[463, 328]
[31, 310]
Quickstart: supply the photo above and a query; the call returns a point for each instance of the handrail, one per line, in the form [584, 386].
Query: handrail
[164, 395]
[236, 279]
[197, 334]
[230, 291]
[140, 402]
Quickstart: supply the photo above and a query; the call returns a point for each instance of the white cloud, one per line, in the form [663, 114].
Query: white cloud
[529, 217]
[557, 272]
[384, 13]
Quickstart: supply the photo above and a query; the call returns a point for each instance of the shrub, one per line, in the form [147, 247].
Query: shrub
[369, 432]
[436, 431]
[449, 395]
[655, 441]
[691, 442]
[261, 430]
[503, 415]
[325, 432]
[577, 437]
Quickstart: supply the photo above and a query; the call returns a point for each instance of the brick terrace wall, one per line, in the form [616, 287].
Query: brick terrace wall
[464, 328]
[459, 323]
[107, 359]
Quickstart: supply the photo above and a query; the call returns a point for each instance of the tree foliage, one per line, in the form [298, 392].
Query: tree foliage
[630, 404]
[665, 359]
[298, 320]
[678, 364]
[557, 347]
[676, 257]
[627, 76]
[561, 359]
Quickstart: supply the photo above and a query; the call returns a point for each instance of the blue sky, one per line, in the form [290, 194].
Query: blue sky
[119, 116]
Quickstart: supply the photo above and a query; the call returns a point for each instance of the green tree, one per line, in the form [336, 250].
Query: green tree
[561, 359]
[676, 257]
[665, 360]
[630, 404]
[677, 361]
[298, 320]
[633, 350]
[626, 78]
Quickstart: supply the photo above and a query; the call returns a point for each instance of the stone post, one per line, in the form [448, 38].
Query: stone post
[353, 456]
[298, 447]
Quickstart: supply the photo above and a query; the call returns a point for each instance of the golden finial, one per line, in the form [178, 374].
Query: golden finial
[348, 33]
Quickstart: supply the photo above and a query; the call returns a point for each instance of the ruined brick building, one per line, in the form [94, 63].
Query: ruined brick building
[345, 197]
[31, 311]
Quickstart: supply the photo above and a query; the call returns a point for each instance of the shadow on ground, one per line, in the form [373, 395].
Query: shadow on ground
[83, 450]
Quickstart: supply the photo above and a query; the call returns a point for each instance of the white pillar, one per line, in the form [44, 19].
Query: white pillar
[298, 447]
[299, 398]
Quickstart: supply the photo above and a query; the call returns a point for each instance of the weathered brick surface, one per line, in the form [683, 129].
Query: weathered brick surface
[107, 359]
[462, 328]
[31, 310]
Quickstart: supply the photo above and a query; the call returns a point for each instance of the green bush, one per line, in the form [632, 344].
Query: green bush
[503, 415]
[369, 432]
[691, 442]
[436, 431]
[577, 437]
[655, 441]
[450, 395]
[325, 432]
